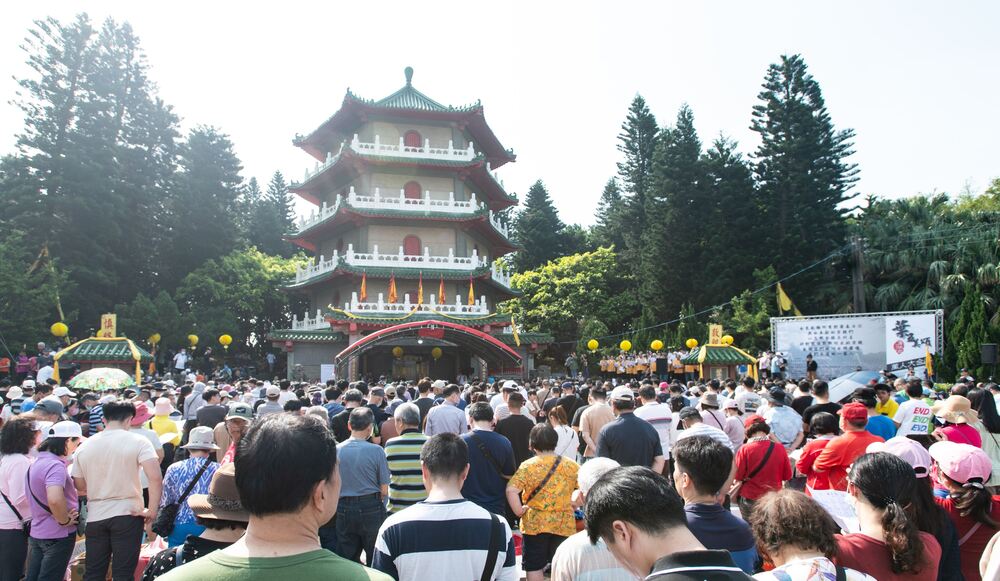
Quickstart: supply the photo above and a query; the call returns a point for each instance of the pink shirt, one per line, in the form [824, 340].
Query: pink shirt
[13, 469]
[963, 434]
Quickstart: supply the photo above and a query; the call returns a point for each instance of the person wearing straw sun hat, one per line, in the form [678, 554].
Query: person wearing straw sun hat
[957, 414]
[219, 511]
[192, 475]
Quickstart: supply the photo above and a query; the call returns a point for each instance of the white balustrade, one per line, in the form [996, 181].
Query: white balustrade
[392, 201]
[398, 260]
[317, 216]
[380, 306]
[310, 324]
[500, 275]
[498, 226]
[425, 151]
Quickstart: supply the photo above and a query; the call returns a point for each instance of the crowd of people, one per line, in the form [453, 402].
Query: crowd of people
[572, 479]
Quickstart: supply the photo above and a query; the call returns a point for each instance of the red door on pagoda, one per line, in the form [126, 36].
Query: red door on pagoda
[412, 190]
[411, 246]
[412, 139]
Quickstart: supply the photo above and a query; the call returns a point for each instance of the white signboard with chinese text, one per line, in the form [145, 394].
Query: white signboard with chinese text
[841, 344]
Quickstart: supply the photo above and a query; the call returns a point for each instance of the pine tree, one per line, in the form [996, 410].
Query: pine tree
[637, 142]
[801, 170]
[676, 204]
[538, 230]
[205, 202]
[608, 228]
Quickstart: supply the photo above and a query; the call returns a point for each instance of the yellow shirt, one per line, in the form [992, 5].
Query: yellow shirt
[550, 510]
[888, 408]
[164, 425]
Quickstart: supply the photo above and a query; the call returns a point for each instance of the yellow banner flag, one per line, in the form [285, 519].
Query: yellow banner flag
[472, 293]
[785, 303]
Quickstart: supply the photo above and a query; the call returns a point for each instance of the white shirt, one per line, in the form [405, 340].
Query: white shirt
[703, 429]
[568, 442]
[913, 417]
[44, 374]
[285, 397]
[658, 415]
[180, 360]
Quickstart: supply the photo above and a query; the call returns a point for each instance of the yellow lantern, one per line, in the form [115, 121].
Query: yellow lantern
[691, 343]
[727, 339]
[397, 352]
[593, 344]
[154, 339]
[625, 345]
[59, 329]
[656, 345]
[436, 353]
[193, 340]
[225, 340]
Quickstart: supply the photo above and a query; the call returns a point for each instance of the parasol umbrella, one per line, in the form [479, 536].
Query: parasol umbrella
[845, 385]
[102, 379]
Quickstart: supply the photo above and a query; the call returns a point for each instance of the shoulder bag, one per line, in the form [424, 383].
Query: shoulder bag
[492, 551]
[164, 523]
[734, 492]
[80, 519]
[493, 461]
[544, 481]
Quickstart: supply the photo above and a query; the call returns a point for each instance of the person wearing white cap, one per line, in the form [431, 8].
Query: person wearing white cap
[64, 394]
[15, 397]
[54, 504]
[196, 471]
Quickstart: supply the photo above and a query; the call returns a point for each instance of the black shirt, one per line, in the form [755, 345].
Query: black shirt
[800, 403]
[341, 429]
[211, 415]
[425, 404]
[378, 413]
[696, 566]
[516, 429]
[569, 403]
[812, 365]
[629, 440]
[809, 412]
[575, 424]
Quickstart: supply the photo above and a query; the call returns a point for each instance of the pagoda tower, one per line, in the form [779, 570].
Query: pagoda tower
[402, 280]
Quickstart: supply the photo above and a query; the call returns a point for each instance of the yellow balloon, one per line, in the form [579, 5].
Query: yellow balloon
[59, 329]
[193, 339]
[727, 339]
[225, 340]
[691, 343]
[593, 345]
[154, 339]
[436, 353]
[625, 345]
[397, 351]
[656, 345]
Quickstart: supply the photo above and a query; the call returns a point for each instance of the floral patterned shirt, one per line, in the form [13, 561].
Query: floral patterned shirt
[177, 479]
[549, 510]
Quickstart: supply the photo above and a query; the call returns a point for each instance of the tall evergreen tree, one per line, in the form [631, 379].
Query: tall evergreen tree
[271, 215]
[538, 230]
[802, 170]
[673, 239]
[608, 228]
[205, 202]
[637, 142]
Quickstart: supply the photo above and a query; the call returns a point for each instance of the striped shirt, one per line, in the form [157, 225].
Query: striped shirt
[406, 485]
[442, 540]
[96, 419]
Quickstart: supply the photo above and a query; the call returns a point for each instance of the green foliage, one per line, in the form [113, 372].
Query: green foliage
[970, 332]
[557, 297]
[538, 230]
[748, 316]
[637, 142]
[28, 294]
[270, 216]
[608, 230]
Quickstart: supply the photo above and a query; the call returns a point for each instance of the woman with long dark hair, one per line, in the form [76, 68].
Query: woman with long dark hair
[963, 470]
[17, 438]
[988, 427]
[890, 546]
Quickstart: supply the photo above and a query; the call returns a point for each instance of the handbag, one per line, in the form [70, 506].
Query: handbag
[164, 523]
[25, 524]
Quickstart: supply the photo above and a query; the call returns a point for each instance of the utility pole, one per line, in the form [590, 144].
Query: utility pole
[858, 274]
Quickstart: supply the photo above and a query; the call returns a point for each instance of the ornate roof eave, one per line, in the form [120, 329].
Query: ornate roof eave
[312, 336]
[406, 102]
[717, 355]
[479, 220]
[340, 317]
[475, 169]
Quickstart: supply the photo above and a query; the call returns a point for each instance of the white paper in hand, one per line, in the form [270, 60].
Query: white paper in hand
[839, 507]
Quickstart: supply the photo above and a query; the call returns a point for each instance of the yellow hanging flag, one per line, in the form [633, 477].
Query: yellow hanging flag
[472, 293]
[441, 297]
[364, 287]
[513, 329]
[420, 289]
[392, 288]
[785, 303]
[929, 362]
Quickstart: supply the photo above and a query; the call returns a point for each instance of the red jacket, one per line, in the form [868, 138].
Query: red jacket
[814, 480]
[840, 453]
[775, 472]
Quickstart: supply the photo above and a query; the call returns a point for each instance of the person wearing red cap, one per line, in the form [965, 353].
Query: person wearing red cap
[843, 450]
[964, 469]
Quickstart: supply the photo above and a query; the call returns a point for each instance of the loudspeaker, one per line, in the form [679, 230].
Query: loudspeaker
[989, 353]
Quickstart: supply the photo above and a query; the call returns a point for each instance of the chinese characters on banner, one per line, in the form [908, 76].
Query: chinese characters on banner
[715, 334]
[109, 322]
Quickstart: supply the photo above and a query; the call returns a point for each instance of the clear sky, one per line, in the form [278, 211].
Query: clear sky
[919, 81]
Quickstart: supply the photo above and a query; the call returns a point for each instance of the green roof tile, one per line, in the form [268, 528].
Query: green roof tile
[526, 338]
[718, 355]
[314, 336]
[410, 98]
[97, 350]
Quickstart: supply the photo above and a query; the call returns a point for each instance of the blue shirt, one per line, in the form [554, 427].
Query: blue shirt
[363, 467]
[785, 423]
[484, 485]
[178, 477]
[881, 426]
[717, 528]
[27, 406]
